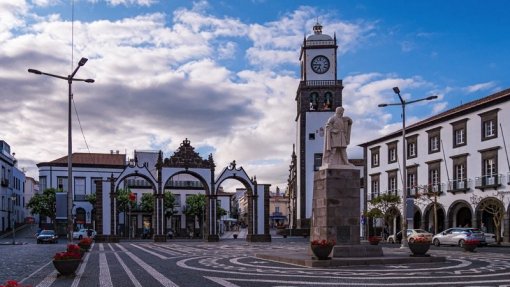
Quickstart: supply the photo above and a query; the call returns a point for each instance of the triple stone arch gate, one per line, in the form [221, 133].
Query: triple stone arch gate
[184, 161]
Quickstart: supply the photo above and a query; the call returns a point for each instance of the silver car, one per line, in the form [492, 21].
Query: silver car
[457, 236]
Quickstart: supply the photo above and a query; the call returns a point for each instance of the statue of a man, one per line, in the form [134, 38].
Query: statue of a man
[336, 140]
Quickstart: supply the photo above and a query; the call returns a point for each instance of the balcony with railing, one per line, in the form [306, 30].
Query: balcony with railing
[315, 83]
[488, 181]
[459, 185]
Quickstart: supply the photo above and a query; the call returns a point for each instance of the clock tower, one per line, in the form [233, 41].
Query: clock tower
[318, 95]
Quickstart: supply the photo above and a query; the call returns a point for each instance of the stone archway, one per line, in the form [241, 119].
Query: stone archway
[258, 224]
[428, 218]
[490, 212]
[186, 160]
[417, 218]
[460, 214]
[134, 170]
[204, 217]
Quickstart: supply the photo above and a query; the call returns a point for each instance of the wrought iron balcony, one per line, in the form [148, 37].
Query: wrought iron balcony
[459, 185]
[488, 181]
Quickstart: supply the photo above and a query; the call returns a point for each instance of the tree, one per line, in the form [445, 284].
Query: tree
[147, 202]
[169, 202]
[44, 204]
[195, 205]
[91, 198]
[123, 200]
[220, 211]
[426, 196]
[382, 205]
[492, 206]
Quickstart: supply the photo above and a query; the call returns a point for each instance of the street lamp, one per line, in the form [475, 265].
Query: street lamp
[13, 200]
[70, 79]
[403, 104]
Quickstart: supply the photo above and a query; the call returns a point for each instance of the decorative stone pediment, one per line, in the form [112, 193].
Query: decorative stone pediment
[186, 157]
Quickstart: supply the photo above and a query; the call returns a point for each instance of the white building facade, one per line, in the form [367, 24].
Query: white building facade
[12, 182]
[458, 158]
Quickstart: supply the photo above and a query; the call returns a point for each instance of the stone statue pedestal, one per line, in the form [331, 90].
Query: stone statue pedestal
[336, 206]
[336, 212]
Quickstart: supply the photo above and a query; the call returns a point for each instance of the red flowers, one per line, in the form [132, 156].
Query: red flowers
[13, 283]
[323, 242]
[85, 241]
[419, 240]
[73, 252]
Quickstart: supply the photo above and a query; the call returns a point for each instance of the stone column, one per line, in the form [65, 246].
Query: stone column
[99, 207]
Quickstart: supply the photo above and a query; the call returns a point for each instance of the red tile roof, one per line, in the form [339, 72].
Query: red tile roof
[90, 159]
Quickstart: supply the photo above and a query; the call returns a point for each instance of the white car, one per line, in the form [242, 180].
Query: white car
[84, 233]
[490, 238]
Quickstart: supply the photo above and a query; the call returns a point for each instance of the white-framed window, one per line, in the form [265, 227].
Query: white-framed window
[460, 172]
[375, 158]
[434, 143]
[460, 136]
[392, 184]
[489, 128]
[489, 167]
[411, 149]
[375, 187]
[434, 177]
[79, 188]
[393, 155]
[62, 183]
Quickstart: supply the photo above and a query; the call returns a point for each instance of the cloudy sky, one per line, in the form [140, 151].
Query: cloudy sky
[224, 74]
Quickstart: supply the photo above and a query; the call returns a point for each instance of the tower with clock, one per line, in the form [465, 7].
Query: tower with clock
[318, 95]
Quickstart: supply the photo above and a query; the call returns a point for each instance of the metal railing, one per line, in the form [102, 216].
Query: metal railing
[459, 184]
[488, 180]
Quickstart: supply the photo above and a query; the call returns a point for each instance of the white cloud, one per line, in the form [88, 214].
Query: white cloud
[159, 83]
[480, 87]
[131, 2]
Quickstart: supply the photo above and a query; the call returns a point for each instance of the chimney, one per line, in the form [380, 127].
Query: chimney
[111, 151]
[117, 152]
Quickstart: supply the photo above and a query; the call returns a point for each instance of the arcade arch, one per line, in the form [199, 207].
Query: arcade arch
[460, 214]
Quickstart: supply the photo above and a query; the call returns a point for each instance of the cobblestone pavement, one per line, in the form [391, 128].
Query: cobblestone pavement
[232, 263]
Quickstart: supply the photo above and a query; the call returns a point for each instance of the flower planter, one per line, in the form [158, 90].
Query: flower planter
[374, 240]
[322, 252]
[85, 247]
[66, 267]
[469, 247]
[419, 249]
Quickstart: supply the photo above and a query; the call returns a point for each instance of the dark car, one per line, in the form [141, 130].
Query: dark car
[47, 236]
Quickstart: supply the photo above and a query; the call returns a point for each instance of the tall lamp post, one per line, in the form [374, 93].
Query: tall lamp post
[70, 79]
[403, 104]
[13, 200]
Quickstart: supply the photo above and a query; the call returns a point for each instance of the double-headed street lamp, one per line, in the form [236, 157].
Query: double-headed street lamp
[403, 104]
[70, 79]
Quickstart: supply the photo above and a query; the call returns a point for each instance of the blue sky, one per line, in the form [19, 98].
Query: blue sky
[224, 73]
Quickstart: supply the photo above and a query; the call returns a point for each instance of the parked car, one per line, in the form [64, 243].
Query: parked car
[47, 236]
[457, 236]
[411, 235]
[38, 232]
[84, 233]
[490, 238]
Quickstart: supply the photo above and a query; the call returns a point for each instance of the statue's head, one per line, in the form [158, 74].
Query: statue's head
[339, 111]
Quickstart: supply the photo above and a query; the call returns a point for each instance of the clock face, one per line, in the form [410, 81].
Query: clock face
[320, 64]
